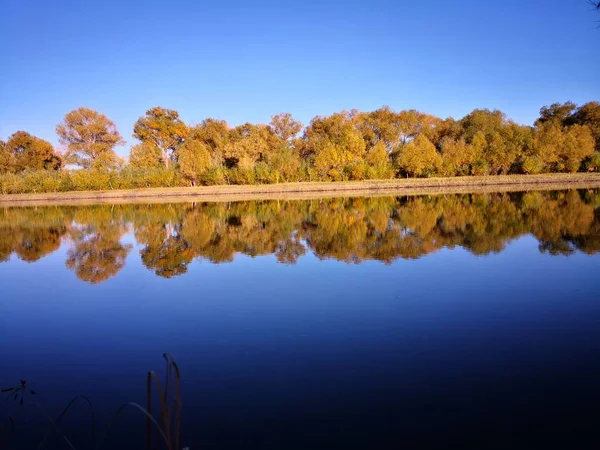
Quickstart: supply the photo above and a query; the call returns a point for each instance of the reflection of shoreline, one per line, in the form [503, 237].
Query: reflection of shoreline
[307, 190]
[172, 235]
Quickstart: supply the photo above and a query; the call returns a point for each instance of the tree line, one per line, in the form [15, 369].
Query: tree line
[172, 236]
[349, 145]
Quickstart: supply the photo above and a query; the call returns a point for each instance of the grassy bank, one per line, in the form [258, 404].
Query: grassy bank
[411, 186]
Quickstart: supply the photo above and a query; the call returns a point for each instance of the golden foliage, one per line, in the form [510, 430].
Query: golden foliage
[23, 151]
[194, 160]
[350, 230]
[145, 155]
[284, 126]
[349, 145]
[163, 128]
[419, 158]
[90, 138]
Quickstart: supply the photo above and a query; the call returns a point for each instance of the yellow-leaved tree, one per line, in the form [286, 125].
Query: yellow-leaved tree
[26, 152]
[5, 158]
[163, 128]
[250, 144]
[419, 158]
[284, 126]
[378, 162]
[194, 159]
[145, 155]
[90, 139]
[340, 156]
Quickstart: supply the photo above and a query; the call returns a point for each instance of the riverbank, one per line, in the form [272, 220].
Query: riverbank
[307, 190]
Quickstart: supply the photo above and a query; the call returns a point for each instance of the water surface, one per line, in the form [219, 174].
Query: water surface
[432, 321]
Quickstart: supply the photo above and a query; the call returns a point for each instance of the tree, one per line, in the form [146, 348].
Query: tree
[411, 123]
[593, 163]
[589, 115]
[379, 164]
[504, 147]
[394, 128]
[215, 134]
[484, 121]
[577, 145]
[558, 113]
[457, 157]
[5, 158]
[90, 138]
[547, 140]
[560, 149]
[164, 129]
[341, 156]
[328, 128]
[284, 126]
[250, 144]
[194, 160]
[145, 155]
[478, 146]
[380, 126]
[419, 158]
[286, 164]
[30, 152]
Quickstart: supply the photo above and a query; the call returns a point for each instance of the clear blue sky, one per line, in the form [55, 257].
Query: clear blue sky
[244, 61]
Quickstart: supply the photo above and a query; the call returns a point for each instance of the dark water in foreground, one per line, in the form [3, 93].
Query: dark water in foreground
[457, 321]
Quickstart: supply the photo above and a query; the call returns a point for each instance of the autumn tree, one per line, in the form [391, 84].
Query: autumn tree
[589, 115]
[482, 120]
[284, 126]
[329, 128]
[543, 155]
[504, 147]
[380, 126]
[163, 128]
[215, 134]
[458, 157]
[558, 113]
[250, 144]
[577, 145]
[5, 158]
[558, 149]
[194, 159]
[413, 123]
[340, 154]
[90, 138]
[145, 155]
[565, 138]
[286, 164]
[27, 152]
[419, 158]
[378, 162]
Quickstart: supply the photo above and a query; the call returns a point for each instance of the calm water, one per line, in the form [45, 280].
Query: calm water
[439, 321]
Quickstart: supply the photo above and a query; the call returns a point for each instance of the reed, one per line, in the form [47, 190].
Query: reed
[165, 429]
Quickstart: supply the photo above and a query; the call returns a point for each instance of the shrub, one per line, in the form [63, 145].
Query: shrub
[214, 176]
[90, 180]
[241, 176]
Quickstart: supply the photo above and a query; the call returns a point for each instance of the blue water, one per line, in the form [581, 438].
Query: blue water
[455, 348]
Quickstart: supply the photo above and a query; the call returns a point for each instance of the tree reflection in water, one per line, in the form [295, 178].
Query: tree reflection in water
[172, 236]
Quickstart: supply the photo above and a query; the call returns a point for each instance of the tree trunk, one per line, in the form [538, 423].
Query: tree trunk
[166, 159]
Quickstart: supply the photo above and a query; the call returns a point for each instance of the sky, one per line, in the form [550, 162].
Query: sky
[244, 61]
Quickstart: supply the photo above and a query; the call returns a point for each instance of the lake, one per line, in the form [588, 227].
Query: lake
[466, 321]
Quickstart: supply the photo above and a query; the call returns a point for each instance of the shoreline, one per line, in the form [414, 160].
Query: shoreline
[311, 190]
